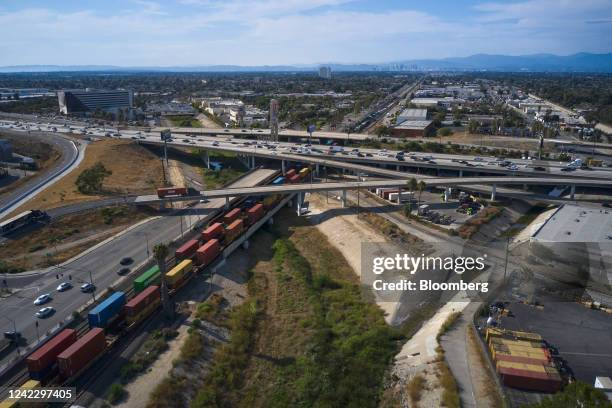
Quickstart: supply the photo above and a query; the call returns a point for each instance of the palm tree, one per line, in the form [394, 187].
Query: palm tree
[421, 186]
[160, 252]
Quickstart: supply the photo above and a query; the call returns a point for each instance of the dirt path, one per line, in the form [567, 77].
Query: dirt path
[139, 389]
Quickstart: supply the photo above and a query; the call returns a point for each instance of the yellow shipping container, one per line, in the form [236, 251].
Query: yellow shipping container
[179, 271]
[304, 172]
[28, 385]
[511, 334]
[538, 368]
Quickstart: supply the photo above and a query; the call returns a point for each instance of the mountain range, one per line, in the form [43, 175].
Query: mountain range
[581, 62]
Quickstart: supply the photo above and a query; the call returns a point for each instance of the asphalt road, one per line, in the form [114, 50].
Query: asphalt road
[103, 264]
[69, 156]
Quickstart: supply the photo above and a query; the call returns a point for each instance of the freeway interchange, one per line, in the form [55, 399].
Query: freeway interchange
[101, 263]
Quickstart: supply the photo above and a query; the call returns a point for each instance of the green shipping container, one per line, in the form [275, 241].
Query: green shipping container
[150, 277]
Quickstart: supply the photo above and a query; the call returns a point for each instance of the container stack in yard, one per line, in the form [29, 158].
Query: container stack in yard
[41, 363]
[522, 361]
[82, 353]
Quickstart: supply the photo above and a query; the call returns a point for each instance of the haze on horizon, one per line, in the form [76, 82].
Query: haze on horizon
[269, 32]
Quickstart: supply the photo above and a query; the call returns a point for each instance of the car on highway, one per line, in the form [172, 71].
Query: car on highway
[478, 159]
[42, 299]
[215, 143]
[64, 286]
[123, 271]
[126, 261]
[568, 169]
[12, 335]
[87, 287]
[539, 168]
[45, 312]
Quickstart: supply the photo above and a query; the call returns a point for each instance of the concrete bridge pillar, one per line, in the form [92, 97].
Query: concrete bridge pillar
[253, 161]
[299, 203]
[227, 203]
[399, 195]
[343, 198]
[207, 159]
[283, 167]
[397, 167]
[460, 173]
[572, 191]
[493, 192]
[317, 169]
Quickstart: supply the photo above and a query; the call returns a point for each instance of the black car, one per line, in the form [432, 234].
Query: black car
[400, 158]
[369, 155]
[12, 335]
[123, 271]
[568, 169]
[539, 168]
[126, 261]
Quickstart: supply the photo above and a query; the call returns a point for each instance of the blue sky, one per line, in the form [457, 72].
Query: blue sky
[258, 32]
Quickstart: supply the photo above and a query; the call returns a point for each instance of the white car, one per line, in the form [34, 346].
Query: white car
[64, 286]
[45, 312]
[42, 299]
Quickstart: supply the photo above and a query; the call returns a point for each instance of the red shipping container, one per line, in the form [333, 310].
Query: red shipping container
[46, 355]
[208, 252]
[294, 179]
[290, 173]
[386, 193]
[231, 216]
[214, 231]
[255, 213]
[233, 230]
[82, 352]
[187, 250]
[171, 191]
[530, 380]
[142, 300]
[517, 359]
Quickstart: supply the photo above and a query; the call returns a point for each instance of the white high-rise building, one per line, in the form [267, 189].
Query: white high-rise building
[325, 72]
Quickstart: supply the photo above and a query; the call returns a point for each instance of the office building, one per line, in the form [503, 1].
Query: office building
[89, 101]
[325, 72]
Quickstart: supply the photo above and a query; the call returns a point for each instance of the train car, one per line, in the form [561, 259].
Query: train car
[278, 181]
[187, 250]
[271, 200]
[82, 353]
[255, 213]
[294, 179]
[216, 230]
[233, 231]
[28, 385]
[21, 220]
[231, 216]
[107, 311]
[304, 172]
[142, 305]
[148, 278]
[178, 275]
[163, 192]
[41, 363]
[208, 252]
[290, 174]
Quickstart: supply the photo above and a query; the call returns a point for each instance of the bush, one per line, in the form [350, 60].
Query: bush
[444, 132]
[116, 393]
[91, 179]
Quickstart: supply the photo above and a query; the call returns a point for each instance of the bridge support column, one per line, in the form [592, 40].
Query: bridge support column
[572, 191]
[460, 173]
[207, 159]
[493, 192]
[227, 203]
[343, 198]
[283, 167]
[317, 169]
[299, 204]
[399, 195]
[397, 167]
[253, 161]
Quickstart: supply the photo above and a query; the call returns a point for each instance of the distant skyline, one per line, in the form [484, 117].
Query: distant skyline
[266, 32]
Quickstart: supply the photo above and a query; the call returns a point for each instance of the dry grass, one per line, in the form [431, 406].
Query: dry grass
[450, 391]
[135, 170]
[472, 225]
[487, 385]
[415, 389]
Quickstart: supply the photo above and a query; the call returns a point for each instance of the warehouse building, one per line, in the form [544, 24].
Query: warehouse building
[413, 128]
[411, 114]
[82, 101]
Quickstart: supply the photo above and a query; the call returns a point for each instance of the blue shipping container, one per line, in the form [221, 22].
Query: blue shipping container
[105, 311]
[279, 181]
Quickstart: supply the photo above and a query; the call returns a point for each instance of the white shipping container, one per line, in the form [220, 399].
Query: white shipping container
[406, 196]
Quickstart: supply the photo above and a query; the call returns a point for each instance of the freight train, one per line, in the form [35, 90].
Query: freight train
[65, 356]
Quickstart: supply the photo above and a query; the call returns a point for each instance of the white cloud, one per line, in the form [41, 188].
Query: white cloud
[294, 31]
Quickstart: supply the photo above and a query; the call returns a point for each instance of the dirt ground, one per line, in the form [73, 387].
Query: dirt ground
[206, 122]
[135, 170]
[498, 141]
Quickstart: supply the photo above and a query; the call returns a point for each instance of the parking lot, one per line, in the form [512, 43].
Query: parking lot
[582, 336]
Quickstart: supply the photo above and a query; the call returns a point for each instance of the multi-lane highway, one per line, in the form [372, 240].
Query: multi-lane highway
[102, 262]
